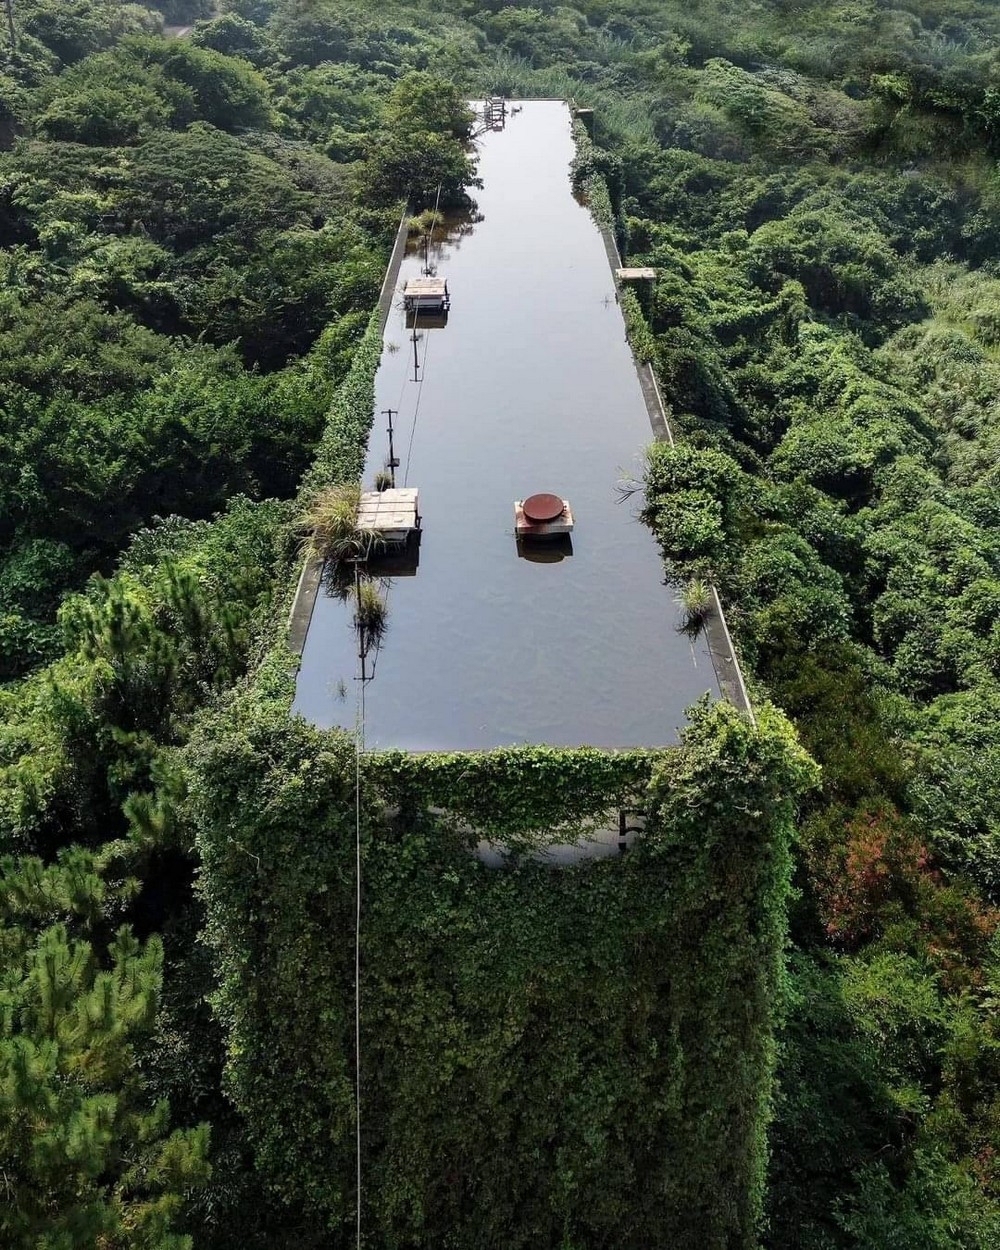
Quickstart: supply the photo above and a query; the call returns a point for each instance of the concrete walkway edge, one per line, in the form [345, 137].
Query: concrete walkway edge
[311, 576]
[720, 643]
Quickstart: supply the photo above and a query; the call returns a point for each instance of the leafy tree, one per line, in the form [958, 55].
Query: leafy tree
[226, 92]
[233, 35]
[421, 147]
[87, 1159]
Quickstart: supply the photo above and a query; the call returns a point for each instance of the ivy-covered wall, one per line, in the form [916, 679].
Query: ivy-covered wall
[340, 454]
[572, 1058]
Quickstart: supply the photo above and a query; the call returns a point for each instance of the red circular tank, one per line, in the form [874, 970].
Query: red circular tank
[542, 508]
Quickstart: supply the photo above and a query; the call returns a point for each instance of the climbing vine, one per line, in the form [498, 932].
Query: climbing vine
[589, 172]
[527, 793]
[527, 1033]
[340, 455]
[640, 336]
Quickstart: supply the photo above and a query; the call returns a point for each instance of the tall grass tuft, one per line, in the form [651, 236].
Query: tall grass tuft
[370, 611]
[696, 600]
[331, 521]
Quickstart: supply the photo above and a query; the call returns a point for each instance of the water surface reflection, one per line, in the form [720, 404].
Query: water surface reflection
[528, 386]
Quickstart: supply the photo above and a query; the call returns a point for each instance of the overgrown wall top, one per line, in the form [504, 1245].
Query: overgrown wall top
[576, 1058]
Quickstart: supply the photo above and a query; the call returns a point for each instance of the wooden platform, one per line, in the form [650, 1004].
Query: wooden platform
[523, 528]
[426, 295]
[391, 514]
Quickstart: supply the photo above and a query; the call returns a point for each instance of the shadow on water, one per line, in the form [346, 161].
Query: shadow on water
[545, 550]
[526, 385]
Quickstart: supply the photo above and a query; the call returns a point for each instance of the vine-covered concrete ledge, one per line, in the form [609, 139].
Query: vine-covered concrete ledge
[628, 1004]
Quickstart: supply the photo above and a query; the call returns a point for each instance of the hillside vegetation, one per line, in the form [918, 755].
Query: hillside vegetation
[192, 237]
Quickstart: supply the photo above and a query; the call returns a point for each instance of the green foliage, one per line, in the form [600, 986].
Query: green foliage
[522, 1029]
[594, 173]
[814, 184]
[371, 613]
[420, 151]
[696, 600]
[331, 521]
[87, 1159]
[523, 794]
[637, 328]
[340, 454]
[233, 35]
[692, 502]
[145, 650]
[147, 84]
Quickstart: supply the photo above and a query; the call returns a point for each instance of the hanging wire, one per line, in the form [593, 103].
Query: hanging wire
[359, 738]
[416, 412]
[359, 734]
[423, 365]
[416, 312]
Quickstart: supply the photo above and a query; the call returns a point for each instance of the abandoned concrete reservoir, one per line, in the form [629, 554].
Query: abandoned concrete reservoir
[526, 385]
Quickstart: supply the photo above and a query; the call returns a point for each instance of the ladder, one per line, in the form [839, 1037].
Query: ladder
[495, 112]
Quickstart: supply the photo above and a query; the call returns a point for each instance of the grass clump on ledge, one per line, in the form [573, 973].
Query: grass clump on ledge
[696, 600]
[423, 223]
[331, 521]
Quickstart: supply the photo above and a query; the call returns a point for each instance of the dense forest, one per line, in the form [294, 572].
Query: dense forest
[193, 233]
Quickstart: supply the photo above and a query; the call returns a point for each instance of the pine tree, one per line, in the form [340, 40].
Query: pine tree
[85, 1159]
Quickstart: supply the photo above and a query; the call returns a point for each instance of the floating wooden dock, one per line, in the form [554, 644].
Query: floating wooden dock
[428, 295]
[392, 515]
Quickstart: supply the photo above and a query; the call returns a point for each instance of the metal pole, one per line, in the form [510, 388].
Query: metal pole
[393, 462]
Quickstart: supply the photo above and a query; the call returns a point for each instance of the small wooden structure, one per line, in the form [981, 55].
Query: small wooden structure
[426, 295]
[494, 112]
[391, 515]
[529, 522]
[635, 275]
[641, 280]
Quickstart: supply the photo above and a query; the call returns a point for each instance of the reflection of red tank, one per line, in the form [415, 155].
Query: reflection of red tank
[542, 508]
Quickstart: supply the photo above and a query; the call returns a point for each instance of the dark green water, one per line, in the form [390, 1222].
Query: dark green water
[530, 387]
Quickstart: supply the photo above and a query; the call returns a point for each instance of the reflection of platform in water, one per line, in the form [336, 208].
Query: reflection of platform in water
[426, 321]
[401, 560]
[545, 550]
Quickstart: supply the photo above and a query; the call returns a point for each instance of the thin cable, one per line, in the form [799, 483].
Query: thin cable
[437, 201]
[416, 410]
[359, 729]
[421, 366]
[416, 312]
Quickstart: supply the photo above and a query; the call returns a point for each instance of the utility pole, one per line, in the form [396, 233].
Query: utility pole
[393, 462]
[12, 34]
[416, 358]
